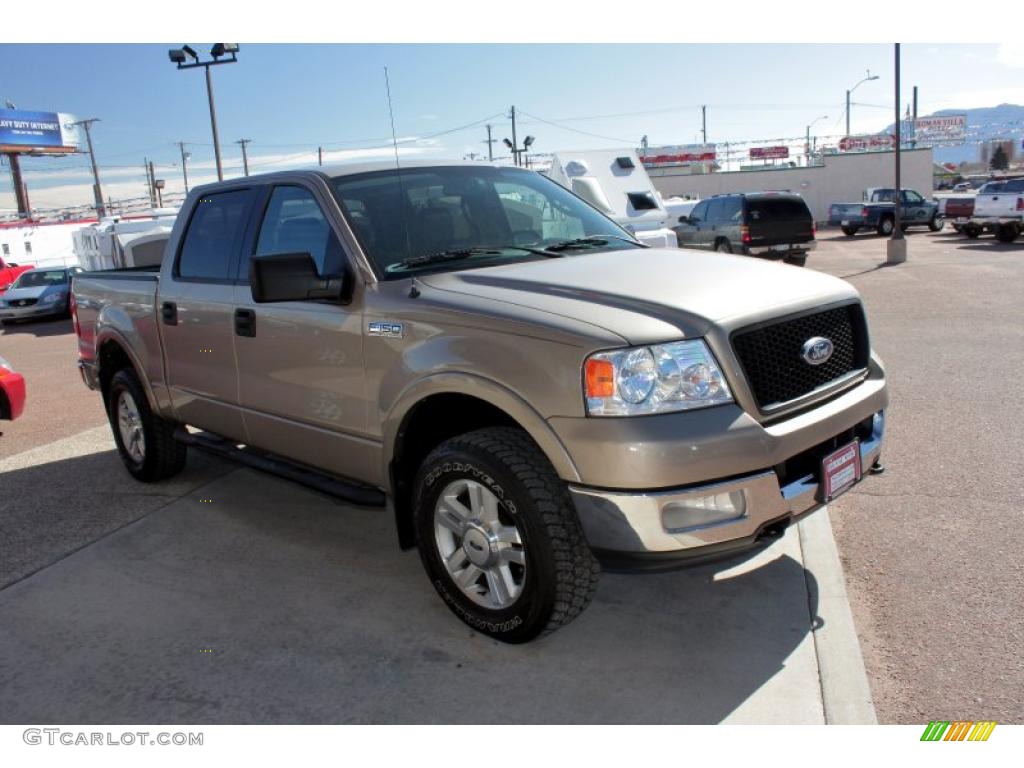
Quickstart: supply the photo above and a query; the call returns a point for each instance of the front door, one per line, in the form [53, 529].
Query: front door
[195, 315]
[301, 382]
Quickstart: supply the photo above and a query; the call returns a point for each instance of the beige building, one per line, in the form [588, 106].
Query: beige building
[842, 179]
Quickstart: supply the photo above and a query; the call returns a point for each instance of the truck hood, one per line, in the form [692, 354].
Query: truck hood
[651, 295]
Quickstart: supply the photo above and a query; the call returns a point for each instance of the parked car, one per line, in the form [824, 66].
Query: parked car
[531, 388]
[38, 293]
[999, 208]
[963, 186]
[957, 210]
[12, 392]
[9, 272]
[773, 225]
[878, 212]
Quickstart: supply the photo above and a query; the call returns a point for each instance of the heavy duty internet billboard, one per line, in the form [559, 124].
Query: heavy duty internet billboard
[24, 131]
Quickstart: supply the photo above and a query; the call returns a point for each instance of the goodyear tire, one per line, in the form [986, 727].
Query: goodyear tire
[499, 536]
[144, 441]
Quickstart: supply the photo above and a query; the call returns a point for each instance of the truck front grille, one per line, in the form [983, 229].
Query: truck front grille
[771, 353]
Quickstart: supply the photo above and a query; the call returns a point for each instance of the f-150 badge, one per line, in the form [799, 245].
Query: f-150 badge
[383, 328]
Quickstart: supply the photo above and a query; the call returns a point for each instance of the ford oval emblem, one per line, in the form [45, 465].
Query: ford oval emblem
[817, 350]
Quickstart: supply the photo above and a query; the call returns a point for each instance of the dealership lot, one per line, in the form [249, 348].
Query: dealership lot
[234, 597]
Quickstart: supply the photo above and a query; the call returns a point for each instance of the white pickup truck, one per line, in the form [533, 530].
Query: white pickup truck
[999, 208]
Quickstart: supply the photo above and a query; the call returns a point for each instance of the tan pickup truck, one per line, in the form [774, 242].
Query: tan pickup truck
[531, 392]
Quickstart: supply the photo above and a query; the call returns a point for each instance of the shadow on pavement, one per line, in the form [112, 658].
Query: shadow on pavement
[44, 326]
[253, 600]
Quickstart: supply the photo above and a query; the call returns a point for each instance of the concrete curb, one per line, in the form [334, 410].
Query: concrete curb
[845, 693]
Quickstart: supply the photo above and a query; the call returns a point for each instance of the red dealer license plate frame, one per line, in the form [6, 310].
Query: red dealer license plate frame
[840, 471]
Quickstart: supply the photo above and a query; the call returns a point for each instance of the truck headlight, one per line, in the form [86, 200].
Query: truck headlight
[679, 376]
[52, 298]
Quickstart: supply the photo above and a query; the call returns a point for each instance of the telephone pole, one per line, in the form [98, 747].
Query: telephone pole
[704, 122]
[319, 156]
[515, 152]
[147, 168]
[245, 157]
[152, 184]
[490, 145]
[184, 160]
[97, 191]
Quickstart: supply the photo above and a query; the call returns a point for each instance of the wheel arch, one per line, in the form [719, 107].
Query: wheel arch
[113, 354]
[445, 405]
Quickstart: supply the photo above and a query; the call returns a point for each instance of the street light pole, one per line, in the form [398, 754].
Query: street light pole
[896, 248]
[178, 56]
[96, 190]
[851, 90]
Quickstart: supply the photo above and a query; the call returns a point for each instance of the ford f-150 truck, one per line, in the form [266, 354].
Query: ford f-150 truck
[530, 390]
[999, 208]
[878, 212]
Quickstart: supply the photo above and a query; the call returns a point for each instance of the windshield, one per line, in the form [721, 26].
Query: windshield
[500, 214]
[41, 278]
[777, 209]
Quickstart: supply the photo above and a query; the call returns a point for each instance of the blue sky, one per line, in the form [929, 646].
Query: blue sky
[291, 98]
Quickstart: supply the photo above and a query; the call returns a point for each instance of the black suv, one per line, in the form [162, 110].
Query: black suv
[772, 225]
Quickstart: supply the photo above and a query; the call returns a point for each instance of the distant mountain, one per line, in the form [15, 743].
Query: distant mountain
[1005, 121]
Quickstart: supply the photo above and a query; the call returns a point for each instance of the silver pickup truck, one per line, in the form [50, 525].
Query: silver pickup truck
[529, 390]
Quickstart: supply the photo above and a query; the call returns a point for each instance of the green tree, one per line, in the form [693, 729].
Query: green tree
[999, 162]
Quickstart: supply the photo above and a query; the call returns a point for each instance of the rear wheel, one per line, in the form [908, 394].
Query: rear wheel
[850, 231]
[973, 231]
[499, 536]
[722, 246]
[799, 260]
[145, 441]
[886, 226]
[1007, 233]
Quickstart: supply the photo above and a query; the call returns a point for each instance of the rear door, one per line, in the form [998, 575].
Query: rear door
[782, 220]
[195, 313]
[301, 375]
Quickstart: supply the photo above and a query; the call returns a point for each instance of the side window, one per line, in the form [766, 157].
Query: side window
[700, 212]
[912, 197]
[213, 235]
[295, 223]
[733, 209]
[715, 210]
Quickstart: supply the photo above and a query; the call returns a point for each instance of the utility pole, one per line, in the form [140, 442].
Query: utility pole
[913, 142]
[184, 161]
[704, 122]
[146, 165]
[515, 143]
[490, 144]
[319, 156]
[245, 157]
[20, 193]
[96, 190]
[152, 184]
[896, 248]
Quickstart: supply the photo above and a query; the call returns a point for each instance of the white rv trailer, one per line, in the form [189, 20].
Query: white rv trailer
[615, 182]
[105, 245]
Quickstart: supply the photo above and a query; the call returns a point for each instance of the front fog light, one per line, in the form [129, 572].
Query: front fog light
[678, 516]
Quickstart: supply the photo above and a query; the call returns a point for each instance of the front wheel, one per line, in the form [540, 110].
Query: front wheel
[499, 536]
[936, 224]
[145, 441]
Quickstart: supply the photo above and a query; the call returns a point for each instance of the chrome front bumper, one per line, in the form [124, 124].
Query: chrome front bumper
[637, 523]
[36, 310]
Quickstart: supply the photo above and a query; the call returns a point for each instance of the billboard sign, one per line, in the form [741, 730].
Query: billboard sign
[874, 141]
[769, 153]
[23, 131]
[951, 128]
[676, 155]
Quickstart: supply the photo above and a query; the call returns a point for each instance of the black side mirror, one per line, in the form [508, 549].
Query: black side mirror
[686, 220]
[293, 277]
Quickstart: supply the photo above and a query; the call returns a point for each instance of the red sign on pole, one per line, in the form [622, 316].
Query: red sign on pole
[768, 153]
[872, 141]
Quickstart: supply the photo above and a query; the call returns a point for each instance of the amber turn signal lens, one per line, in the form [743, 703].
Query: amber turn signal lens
[600, 378]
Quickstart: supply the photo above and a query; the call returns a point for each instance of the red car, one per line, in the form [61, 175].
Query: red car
[10, 272]
[12, 392]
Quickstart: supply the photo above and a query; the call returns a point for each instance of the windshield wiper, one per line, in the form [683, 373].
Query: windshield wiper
[458, 254]
[592, 241]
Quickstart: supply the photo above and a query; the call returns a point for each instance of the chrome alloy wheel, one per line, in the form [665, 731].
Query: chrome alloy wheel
[479, 544]
[129, 424]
